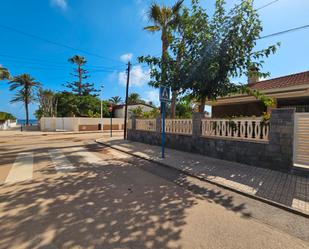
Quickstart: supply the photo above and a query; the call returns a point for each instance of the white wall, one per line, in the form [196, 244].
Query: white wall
[7, 124]
[72, 124]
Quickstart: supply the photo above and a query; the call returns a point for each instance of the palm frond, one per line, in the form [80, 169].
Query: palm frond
[155, 14]
[153, 28]
[177, 6]
[4, 73]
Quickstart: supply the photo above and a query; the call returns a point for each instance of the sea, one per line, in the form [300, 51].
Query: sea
[23, 121]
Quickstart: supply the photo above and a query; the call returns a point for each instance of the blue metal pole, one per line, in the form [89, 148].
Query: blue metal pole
[163, 128]
[111, 124]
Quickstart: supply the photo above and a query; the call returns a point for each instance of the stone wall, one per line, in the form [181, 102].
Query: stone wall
[277, 153]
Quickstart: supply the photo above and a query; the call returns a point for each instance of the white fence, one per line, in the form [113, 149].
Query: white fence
[75, 123]
[250, 129]
[179, 126]
[146, 124]
[247, 129]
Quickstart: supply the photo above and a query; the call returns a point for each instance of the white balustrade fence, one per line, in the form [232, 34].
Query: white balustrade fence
[146, 124]
[251, 129]
[248, 129]
[179, 126]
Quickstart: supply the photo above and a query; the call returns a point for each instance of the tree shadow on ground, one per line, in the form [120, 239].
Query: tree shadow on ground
[105, 205]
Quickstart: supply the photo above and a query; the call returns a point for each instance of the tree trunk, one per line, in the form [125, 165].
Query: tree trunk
[173, 104]
[80, 81]
[164, 56]
[202, 105]
[27, 114]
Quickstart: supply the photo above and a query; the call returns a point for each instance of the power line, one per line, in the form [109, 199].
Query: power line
[266, 5]
[41, 62]
[55, 43]
[285, 31]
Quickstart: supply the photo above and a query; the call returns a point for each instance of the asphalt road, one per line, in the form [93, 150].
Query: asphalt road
[65, 191]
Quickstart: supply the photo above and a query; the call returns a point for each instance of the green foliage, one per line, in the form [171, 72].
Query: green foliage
[136, 112]
[79, 87]
[206, 51]
[4, 73]
[151, 114]
[116, 100]
[221, 48]
[6, 116]
[184, 109]
[70, 105]
[134, 98]
[267, 101]
[26, 87]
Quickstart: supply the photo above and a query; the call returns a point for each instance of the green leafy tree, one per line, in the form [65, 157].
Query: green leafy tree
[26, 87]
[136, 112]
[151, 114]
[184, 108]
[116, 100]
[4, 73]
[220, 47]
[70, 105]
[81, 74]
[165, 19]
[6, 116]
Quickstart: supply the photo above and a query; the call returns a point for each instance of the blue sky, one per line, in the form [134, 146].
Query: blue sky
[114, 30]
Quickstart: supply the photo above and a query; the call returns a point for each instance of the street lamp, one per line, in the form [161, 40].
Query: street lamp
[101, 96]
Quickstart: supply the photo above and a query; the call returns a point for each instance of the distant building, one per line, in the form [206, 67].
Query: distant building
[287, 91]
[120, 109]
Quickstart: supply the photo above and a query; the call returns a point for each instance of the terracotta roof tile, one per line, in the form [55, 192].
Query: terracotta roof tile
[282, 82]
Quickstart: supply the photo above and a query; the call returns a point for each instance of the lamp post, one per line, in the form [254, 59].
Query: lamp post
[101, 96]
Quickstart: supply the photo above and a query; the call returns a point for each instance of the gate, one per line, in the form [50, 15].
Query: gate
[301, 140]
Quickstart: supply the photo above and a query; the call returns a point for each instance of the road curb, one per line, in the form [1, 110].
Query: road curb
[267, 201]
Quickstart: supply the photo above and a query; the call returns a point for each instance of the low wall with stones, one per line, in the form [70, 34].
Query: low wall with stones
[276, 154]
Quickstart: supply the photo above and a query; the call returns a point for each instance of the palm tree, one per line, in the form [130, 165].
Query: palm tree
[116, 100]
[27, 87]
[4, 73]
[165, 19]
[134, 98]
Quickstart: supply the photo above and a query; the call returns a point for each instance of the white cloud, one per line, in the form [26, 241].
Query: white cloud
[126, 57]
[152, 96]
[61, 4]
[138, 76]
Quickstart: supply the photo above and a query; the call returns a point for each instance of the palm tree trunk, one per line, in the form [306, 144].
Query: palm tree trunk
[164, 56]
[27, 114]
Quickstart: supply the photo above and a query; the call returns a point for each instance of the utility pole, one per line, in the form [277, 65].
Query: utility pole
[102, 86]
[126, 106]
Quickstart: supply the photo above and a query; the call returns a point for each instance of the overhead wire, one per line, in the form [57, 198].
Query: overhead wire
[56, 43]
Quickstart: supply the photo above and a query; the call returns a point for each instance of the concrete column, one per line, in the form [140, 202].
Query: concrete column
[281, 137]
[133, 123]
[197, 124]
[158, 124]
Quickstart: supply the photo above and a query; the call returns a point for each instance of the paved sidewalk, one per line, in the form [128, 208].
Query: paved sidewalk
[285, 189]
